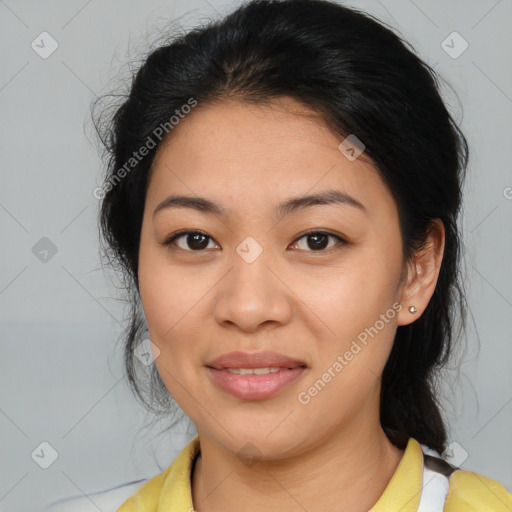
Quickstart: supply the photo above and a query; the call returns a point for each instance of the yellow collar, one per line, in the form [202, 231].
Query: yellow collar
[403, 491]
[171, 490]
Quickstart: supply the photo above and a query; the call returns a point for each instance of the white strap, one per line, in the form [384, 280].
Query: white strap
[435, 486]
[434, 491]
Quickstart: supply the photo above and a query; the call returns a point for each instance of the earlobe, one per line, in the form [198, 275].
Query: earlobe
[423, 275]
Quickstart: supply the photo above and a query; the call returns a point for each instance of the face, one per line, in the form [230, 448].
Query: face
[318, 284]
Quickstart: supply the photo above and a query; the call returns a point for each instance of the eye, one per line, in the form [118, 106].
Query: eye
[195, 240]
[317, 241]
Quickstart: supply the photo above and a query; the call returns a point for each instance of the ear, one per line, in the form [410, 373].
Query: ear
[422, 274]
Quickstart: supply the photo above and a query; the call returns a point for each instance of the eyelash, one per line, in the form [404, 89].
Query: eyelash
[168, 241]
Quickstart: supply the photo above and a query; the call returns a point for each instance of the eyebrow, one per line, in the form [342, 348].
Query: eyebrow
[201, 204]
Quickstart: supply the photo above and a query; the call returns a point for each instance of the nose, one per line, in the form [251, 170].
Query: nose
[254, 292]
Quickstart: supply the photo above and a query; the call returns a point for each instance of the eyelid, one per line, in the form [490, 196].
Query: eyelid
[170, 239]
[320, 231]
[316, 231]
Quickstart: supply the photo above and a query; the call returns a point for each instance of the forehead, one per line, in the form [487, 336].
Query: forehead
[258, 154]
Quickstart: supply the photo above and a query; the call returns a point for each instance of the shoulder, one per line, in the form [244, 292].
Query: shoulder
[470, 492]
[170, 489]
[147, 496]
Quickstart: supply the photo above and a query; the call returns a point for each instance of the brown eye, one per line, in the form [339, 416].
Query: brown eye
[318, 241]
[193, 241]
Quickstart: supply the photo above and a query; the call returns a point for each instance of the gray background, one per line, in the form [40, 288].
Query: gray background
[61, 377]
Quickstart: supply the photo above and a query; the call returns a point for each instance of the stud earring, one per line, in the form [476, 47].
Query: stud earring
[412, 309]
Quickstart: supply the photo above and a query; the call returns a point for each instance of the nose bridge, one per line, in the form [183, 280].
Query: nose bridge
[251, 293]
[251, 261]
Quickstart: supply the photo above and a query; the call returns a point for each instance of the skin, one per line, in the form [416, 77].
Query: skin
[328, 454]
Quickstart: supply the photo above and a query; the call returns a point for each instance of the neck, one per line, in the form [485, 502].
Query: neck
[347, 471]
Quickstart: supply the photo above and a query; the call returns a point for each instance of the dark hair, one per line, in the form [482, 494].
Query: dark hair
[362, 79]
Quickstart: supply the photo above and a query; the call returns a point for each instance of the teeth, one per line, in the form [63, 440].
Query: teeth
[252, 371]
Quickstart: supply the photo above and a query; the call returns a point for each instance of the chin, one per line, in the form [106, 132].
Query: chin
[257, 443]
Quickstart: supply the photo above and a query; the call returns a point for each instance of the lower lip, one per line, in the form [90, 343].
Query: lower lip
[255, 387]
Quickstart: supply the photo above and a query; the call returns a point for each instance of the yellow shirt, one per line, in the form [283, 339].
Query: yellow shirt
[170, 491]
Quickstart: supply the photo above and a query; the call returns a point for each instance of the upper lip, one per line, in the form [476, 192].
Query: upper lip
[254, 360]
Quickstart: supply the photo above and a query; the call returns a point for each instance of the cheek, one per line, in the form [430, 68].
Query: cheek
[357, 309]
[350, 296]
[163, 306]
[168, 306]
[167, 295]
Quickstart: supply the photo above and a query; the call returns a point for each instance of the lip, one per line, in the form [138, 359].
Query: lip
[255, 360]
[255, 387]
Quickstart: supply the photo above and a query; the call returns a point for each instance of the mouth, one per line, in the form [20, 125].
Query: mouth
[255, 376]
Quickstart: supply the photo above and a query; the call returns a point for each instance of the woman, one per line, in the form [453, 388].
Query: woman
[282, 196]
